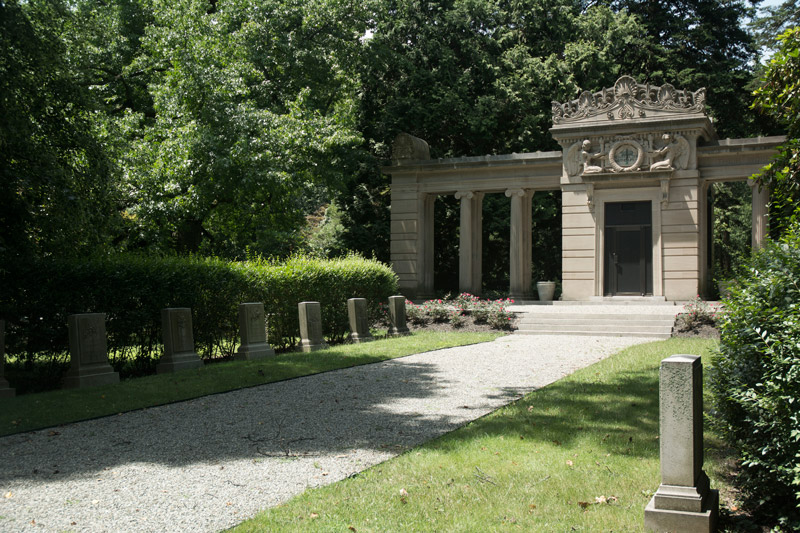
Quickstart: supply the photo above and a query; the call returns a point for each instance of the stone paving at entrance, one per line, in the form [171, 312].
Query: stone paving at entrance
[210, 463]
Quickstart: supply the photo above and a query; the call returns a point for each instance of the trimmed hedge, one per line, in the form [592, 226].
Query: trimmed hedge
[132, 290]
[755, 379]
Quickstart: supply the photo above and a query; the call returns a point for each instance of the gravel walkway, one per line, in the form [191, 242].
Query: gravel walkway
[208, 464]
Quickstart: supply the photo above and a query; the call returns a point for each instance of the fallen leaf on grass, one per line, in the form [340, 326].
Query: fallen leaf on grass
[312, 516]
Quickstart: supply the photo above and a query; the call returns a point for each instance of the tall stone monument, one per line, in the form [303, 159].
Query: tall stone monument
[311, 338]
[397, 316]
[683, 501]
[359, 325]
[88, 349]
[5, 390]
[254, 334]
[179, 354]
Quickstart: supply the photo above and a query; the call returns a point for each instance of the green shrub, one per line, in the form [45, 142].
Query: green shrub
[132, 290]
[755, 379]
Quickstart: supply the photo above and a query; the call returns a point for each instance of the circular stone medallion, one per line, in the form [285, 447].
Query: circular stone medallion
[626, 156]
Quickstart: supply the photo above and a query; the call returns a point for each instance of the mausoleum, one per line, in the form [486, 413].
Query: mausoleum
[634, 172]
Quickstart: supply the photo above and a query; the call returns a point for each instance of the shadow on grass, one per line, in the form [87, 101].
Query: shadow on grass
[621, 414]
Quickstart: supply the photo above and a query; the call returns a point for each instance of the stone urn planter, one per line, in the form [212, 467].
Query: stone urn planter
[546, 290]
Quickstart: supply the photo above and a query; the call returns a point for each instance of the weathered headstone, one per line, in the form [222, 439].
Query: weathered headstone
[359, 325]
[397, 316]
[179, 354]
[5, 390]
[88, 348]
[683, 501]
[310, 327]
[254, 334]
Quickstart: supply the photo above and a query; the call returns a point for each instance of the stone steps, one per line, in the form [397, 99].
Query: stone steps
[657, 326]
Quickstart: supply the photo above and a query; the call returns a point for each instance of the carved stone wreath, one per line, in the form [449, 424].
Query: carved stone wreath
[617, 148]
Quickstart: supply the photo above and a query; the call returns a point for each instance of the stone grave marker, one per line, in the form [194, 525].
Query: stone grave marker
[88, 348]
[397, 316]
[683, 501]
[359, 325]
[254, 334]
[179, 354]
[311, 338]
[5, 390]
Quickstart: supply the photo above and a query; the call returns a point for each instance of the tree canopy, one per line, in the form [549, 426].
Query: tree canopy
[221, 126]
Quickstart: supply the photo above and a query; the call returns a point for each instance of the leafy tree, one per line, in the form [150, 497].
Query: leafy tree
[702, 43]
[252, 118]
[58, 193]
[779, 97]
[774, 20]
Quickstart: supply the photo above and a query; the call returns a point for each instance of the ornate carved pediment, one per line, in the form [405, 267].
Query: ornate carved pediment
[627, 100]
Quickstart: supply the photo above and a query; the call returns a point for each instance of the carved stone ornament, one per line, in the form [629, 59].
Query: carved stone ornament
[408, 147]
[626, 155]
[646, 152]
[629, 99]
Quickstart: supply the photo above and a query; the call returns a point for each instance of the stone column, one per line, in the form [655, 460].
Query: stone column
[88, 350]
[470, 242]
[397, 316]
[311, 338]
[425, 245]
[252, 329]
[5, 390]
[683, 501]
[521, 247]
[760, 214]
[359, 324]
[179, 354]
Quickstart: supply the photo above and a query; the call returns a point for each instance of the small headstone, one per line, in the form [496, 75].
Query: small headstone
[253, 331]
[5, 390]
[88, 350]
[359, 325]
[397, 316]
[310, 327]
[683, 501]
[179, 354]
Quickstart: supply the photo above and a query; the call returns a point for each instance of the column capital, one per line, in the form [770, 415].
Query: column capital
[518, 192]
[464, 194]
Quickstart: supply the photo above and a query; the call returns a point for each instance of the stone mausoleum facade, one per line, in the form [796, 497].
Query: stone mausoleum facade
[634, 172]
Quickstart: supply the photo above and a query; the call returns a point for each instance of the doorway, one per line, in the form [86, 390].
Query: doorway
[628, 249]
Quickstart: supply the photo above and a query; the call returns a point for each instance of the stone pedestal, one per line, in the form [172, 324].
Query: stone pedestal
[311, 338]
[179, 354]
[397, 316]
[88, 349]
[252, 329]
[5, 390]
[359, 325]
[683, 501]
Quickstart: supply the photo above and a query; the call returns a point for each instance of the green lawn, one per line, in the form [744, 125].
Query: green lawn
[35, 411]
[579, 455]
